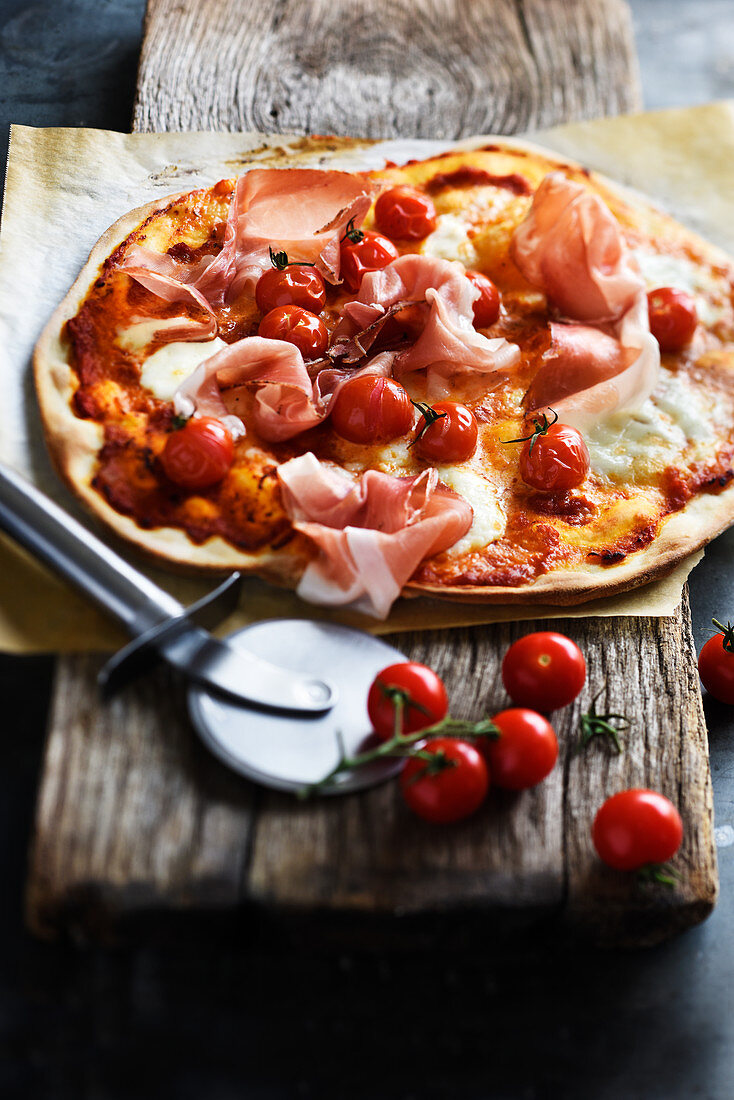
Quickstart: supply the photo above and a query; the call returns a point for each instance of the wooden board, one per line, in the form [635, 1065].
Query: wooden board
[133, 816]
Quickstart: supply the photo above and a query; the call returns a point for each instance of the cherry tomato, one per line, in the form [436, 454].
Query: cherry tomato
[428, 702]
[451, 787]
[451, 437]
[370, 409]
[525, 751]
[716, 666]
[296, 285]
[636, 827]
[673, 317]
[557, 460]
[405, 213]
[371, 253]
[543, 671]
[199, 454]
[297, 326]
[487, 305]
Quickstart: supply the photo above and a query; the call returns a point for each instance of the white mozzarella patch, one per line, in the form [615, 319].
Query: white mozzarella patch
[624, 445]
[165, 370]
[662, 270]
[137, 336]
[450, 241]
[394, 458]
[489, 519]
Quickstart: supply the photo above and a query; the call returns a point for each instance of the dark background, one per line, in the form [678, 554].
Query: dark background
[242, 1013]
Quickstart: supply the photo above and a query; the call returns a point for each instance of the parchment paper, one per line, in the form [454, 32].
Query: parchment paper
[65, 186]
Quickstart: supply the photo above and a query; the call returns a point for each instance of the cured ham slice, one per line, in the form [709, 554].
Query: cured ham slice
[449, 344]
[300, 210]
[163, 276]
[286, 402]
[371, 534]
[283, 403]
[588, 372]
[570, 247]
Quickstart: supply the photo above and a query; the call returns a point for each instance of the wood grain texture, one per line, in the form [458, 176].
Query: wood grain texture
[133, 816]
[380, 68]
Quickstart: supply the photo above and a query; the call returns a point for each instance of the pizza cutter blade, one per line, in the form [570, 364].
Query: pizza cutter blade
[280, 751]
[277, 701]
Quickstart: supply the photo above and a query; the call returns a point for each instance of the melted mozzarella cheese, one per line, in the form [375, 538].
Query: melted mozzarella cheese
[710, 293]
[489, 519]
[165, 370]
[625, 445]
[137, 336]
[450, 241]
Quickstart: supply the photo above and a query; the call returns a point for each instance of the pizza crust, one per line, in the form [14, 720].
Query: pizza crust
[74, 444]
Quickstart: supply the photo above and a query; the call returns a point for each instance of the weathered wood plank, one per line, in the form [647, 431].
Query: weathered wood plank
[380, 68]
[132, 815]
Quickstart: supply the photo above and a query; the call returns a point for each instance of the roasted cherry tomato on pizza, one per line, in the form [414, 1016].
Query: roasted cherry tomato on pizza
[405, 214]
[371, 409]
[291, 285]
[636, 828]
[363, 251]
[544, 670]
[525, 751]
[487, 305]
[446, 432]
[414, 690]
[673, 317]
[447, 780]
[297, 326]
[555, 456]
[198, 455]
[716, 663]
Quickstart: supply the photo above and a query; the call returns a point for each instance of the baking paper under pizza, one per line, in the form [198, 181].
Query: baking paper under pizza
[488, 376]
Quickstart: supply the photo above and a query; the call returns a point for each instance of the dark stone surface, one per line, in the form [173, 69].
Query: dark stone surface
[242, 1013]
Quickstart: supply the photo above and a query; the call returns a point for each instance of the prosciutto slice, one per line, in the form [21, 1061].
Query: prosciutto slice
[162, 275]
[283, 403]
[611, 374]
[286, 402]
[371, 534]
[300, 210]
[449, 344]
[570, 247]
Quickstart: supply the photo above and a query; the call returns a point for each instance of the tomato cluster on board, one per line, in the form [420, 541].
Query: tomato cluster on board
[452, 765]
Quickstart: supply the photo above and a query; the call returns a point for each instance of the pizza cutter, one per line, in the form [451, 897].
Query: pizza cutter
[258, 698]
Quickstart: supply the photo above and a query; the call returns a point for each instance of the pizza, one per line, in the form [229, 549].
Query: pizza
[489, 376]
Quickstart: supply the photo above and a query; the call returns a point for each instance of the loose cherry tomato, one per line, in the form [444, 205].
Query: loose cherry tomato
[448, 787]
[427, 701]
[370, 409]
[487, 305]
[636, 827]
[557, 458]
[297, 326]
[199, 454]
[673, 317]
[295, 285]
[525, 751]
[543, 671]
[447, 432]
[405, 213]
[370, 252]
[716, 664]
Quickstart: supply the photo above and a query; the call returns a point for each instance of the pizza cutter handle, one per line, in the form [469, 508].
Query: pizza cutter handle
[51, 535]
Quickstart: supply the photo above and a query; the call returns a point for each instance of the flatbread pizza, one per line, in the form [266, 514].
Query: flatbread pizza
[487, 376]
